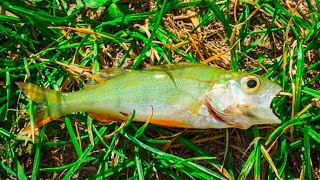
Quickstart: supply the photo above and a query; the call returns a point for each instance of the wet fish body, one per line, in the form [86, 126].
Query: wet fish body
[177, 95]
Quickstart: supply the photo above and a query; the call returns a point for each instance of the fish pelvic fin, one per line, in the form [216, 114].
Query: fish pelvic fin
[48, 110]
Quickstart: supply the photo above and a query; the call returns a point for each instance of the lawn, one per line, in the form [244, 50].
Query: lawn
[63, 44]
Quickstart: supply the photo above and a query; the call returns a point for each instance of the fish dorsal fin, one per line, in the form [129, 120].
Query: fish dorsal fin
[105, 74]
[167, 67]
[111, 72]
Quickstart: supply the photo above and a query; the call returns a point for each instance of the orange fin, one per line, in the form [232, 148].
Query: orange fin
[45, 112]
[170, 123]
[104, 118]
[38, 122]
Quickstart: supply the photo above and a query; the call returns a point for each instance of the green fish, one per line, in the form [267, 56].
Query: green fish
[179, 95]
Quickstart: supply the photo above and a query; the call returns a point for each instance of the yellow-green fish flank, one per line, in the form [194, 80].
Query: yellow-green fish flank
[178, 95]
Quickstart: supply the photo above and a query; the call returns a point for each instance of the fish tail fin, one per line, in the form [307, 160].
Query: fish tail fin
[47, 111]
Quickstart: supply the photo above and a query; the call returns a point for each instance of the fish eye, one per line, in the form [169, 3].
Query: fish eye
[250, 83]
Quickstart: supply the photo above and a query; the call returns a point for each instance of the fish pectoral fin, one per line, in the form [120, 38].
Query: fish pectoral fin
[195, 109]
[104, 118]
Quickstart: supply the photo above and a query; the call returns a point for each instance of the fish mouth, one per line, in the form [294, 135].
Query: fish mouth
[264, 111]
[267, 98]
[264, 116]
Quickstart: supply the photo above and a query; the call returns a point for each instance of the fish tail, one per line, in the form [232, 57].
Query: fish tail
[47, 111]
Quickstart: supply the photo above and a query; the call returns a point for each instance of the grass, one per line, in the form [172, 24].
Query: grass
[62, 44]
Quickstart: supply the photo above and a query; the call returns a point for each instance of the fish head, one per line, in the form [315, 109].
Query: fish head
[241, 100]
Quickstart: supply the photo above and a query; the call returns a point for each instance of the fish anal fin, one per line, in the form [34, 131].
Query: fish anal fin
[104, 118]
[170, 123]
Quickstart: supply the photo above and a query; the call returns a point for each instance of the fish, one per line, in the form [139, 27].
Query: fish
[180, 95]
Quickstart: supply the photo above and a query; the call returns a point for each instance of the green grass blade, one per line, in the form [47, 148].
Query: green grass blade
[128, 163]
[36, 161]
[257, 159]
[168, 156]
[89, 125]
[220, 16]
[99, 136]
[285, 125]
[138, 164]
[124, 34]
[73, 136]
[40, 15]
[269, 159]
[83, 156]
[105, 166]
[299, 77]
[199, 151]
[18, 168]
[314, 135]
[8, 89]
[247, 166]
[139, 58]
[2, 165]
[68, 166]
[7, 134]
[306, 154]
[311, 92]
